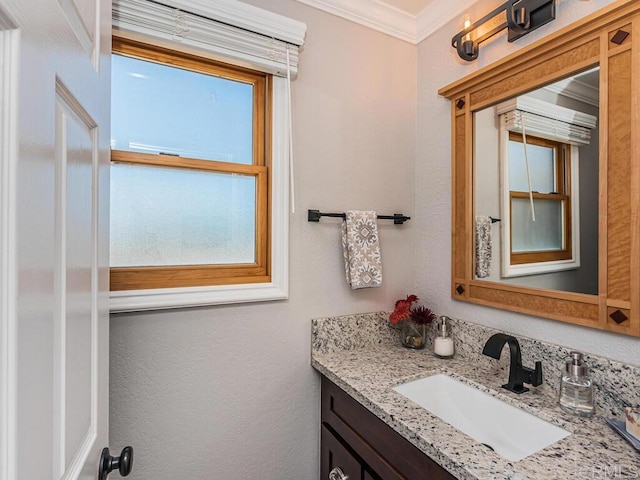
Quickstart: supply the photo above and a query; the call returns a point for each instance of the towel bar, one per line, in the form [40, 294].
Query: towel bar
[398, 218]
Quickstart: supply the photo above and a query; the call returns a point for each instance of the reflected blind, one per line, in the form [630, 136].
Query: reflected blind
[547, 120]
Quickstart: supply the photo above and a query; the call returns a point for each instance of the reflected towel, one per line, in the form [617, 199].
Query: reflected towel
[483, 246]
[361, 249]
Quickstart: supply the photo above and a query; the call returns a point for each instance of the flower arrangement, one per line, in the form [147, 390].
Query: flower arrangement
[413, 321]
[403, 311]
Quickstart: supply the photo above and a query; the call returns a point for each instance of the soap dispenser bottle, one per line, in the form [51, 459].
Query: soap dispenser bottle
[443, 343]
[576, 387]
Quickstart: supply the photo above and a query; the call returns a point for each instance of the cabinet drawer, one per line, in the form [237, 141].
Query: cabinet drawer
[386, 453]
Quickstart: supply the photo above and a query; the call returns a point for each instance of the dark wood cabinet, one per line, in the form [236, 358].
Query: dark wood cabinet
[335, 455]
[356, 441]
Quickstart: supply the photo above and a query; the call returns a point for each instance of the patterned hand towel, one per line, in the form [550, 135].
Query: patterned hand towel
[362, 263]
[483, 246]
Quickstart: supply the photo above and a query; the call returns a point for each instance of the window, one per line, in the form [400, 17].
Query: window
[190, 170]
[191, 35]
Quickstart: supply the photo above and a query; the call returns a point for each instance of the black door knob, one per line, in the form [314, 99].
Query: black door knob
[123, 463]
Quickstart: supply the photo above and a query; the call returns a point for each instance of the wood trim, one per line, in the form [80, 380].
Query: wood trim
[548, 304]
[160, 160]
[260, 121]
[619, 177]
[268, 161]
[555, 67]
[523, 258]
[262, 220]
[141, 278]
[459, 234]
[540, 196]
[618, 304]
[153, 53]
[566, 52]
[626, 43]
[635, 179]
[533, 140]
[603, 138]
[540, 292]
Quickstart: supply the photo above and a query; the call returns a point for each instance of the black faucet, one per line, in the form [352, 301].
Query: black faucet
[517, 373]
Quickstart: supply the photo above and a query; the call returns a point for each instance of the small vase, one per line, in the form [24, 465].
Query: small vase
[413, 335]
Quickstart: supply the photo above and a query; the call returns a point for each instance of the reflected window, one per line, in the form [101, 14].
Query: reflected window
[540, 221]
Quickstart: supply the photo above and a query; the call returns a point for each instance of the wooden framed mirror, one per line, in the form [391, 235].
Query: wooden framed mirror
[580, 261]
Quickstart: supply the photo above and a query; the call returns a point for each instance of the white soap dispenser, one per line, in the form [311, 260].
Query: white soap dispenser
[443, 344]
[576, 387]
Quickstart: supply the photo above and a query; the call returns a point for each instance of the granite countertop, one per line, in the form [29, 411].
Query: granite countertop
[369, 372]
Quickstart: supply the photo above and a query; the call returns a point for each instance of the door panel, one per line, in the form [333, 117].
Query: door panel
[54, 266]
[83, 20]
[76, 271]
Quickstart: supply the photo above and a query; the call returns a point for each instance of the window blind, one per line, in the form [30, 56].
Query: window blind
[226, 30]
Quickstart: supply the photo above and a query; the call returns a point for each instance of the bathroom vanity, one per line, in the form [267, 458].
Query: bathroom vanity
[357, 444]
[371, 431]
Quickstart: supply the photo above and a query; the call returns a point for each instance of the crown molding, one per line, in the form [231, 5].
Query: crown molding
[576, 90]
[437, 14]
[384, 18]
[373, 14]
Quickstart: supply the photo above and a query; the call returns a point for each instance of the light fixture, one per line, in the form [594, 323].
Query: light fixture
[519, 17]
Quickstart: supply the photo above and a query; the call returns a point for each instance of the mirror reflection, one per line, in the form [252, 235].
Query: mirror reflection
[536, 187]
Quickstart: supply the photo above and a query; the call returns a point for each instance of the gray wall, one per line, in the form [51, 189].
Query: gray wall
[438, 66]
[228, 392]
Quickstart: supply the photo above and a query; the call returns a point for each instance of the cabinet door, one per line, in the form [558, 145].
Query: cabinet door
[334, 455]
[367, 476]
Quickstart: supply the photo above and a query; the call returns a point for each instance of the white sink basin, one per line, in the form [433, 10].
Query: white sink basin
[512, 433]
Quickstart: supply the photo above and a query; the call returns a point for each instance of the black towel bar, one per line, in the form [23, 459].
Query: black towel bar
[398, 218]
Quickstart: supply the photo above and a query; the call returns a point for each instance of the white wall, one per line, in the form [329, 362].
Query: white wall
[438, 66]
[228, 392]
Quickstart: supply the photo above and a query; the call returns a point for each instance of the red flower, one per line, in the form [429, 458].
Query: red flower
[402, 309]
[422, 315]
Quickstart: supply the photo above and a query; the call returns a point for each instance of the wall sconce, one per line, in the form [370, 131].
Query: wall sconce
[519, 17]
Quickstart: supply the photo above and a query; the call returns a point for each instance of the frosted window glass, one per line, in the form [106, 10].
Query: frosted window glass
[156, 108]
[541, 166]
[169, 216]
[543, 234]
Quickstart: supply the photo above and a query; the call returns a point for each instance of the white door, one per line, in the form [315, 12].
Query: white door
[54, 215]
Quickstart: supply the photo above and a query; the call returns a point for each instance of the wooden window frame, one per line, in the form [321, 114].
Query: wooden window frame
[156, 277]
[563, 195]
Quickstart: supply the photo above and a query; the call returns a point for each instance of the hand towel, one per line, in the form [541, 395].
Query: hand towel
[483, 246]
[361, 249]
